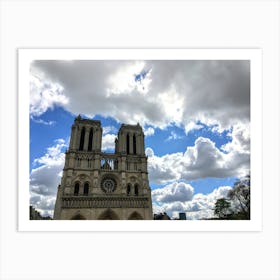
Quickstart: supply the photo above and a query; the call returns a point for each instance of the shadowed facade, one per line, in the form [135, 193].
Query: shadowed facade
[104, 186]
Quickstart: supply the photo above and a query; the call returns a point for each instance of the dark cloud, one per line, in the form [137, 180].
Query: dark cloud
[216, 92]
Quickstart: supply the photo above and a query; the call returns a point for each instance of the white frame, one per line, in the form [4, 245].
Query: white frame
[25, 56]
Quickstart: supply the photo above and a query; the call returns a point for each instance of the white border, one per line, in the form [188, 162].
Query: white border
[25, 56]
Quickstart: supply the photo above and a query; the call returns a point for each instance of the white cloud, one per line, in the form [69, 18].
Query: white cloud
[176, 92]
[149, 152]
[164, 169]
[149, 131]
[173, 136]
[45, 95]
[108, 129]
[54, 155]
[44, 179]
[198, 206]
[123, 80]
[108, 142]
[173, 192]
[203, 160]
[240, 139]
[40, 121]
[192, 126]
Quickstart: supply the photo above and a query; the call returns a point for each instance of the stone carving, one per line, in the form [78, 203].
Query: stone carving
[101, 202]
[107, 174]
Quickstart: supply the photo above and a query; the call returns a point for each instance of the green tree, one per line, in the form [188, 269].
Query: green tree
[240, 195]
[221, 207]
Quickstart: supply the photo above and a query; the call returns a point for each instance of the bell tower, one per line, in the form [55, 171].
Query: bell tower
[85, 135]
[98, 185]
[130, 140]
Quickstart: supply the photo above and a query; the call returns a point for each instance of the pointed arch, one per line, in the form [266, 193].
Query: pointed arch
[128, 189]
[127, 143]
[82, 139]
[86, 188]
[136, 189]
[90, 137]
[134, 144]
[76, 188]
[108, 215]
[135, 216]
[78, 217]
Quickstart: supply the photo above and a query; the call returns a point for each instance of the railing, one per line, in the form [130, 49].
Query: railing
[102, 202]
[109, 162]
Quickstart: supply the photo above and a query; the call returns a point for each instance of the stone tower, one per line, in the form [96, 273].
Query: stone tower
[97, 185]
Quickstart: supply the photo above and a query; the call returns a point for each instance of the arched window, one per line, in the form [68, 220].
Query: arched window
[90, 140]
[134, 144]
[136, 190]
[76, 189]
[128, 189]
[86, 189]
[127, 143]
[82, 139]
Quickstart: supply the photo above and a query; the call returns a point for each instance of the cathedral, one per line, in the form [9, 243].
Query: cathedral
[104, 186]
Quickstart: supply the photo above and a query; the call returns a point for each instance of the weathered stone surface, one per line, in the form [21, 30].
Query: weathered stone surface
[97, 185]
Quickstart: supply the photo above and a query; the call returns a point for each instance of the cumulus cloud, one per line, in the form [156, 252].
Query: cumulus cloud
[240, 139]
[198, 206]
[45, 95]
[175, 92]
[203, 160]
[45, 178]
[108, 142]
[173, 192]
[54, 155]
[149, 131]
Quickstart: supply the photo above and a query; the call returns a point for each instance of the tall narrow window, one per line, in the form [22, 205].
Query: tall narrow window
[90, 140]
[128, 189]
[136, 191]
[86, 188]
[82, 139]
[127, 143]
[134, 144]
[76, 189]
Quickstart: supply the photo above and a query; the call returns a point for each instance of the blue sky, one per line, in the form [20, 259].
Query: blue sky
[195, 116]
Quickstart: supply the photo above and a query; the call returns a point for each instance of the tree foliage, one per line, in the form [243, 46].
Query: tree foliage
[222, 207]
[236, 206]
[240, 195]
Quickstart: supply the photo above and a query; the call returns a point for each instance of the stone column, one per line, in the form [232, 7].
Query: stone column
[123, 145]
[142, 144]
[74, 136]
[138, 144]
[98, 138]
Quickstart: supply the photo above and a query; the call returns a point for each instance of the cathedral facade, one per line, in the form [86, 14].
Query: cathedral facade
[104, 186]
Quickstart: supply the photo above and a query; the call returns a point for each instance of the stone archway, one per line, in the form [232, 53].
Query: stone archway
[108, 215]
[135, 216]
[78, 217]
